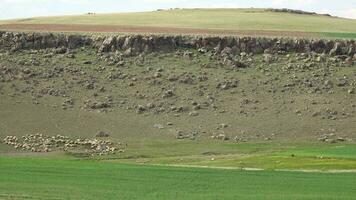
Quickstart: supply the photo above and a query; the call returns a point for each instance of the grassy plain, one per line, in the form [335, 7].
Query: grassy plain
[211, 19]
[43, 178]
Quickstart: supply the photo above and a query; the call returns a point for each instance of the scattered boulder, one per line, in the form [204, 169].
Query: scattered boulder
[187, 54]
[107, 44]
[89, 104]
[87, 62]
[193, 113]
[158, 126]
[102, 134]
[180, 135]
[225, 85]
[220, 136]
[168, 93]
[331, 138]
[140, 109]
[268, 58]
[336, 49]
[60, 50]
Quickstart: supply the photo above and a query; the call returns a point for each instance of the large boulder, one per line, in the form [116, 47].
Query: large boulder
[108, 44]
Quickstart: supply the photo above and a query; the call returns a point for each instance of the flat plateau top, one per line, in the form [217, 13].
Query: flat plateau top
[254, 22]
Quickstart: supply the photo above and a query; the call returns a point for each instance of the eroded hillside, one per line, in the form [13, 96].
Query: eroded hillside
[233, 89]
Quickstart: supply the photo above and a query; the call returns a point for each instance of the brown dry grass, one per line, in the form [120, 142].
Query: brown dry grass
[150, 30]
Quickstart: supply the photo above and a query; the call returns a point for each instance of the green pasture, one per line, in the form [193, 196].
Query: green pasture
[42, 178]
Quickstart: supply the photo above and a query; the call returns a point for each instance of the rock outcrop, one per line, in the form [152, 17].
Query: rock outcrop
[136, 44]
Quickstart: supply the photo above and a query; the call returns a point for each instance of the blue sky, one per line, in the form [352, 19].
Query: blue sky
[29, 8]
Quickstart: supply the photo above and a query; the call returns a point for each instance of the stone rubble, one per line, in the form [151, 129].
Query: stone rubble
[44, 143]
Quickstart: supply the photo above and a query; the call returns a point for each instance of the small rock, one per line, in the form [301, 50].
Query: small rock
[88, 62]
[194, 113]
[102, 134]
[168, 93]
[223, 126]
[159, 126]
[140, 109]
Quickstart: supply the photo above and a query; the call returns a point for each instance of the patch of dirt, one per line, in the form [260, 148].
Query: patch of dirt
[151, 30]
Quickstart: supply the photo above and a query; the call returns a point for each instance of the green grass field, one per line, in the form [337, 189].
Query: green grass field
[224, 19]
[42, 178]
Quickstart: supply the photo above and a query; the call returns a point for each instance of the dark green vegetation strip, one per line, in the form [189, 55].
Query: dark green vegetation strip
[26, 178]
[339, 35]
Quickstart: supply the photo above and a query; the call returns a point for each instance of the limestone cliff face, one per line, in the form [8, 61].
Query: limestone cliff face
[135, 44]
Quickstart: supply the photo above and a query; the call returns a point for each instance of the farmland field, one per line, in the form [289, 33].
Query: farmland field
[196, 21]
[43, 178]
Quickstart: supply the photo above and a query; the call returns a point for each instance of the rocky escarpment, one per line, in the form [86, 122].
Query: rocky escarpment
[221, 88]
[136, 44]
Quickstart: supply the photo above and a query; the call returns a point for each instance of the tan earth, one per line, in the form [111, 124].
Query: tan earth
[150, 30]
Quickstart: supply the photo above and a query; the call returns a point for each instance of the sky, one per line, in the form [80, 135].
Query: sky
[29, 8]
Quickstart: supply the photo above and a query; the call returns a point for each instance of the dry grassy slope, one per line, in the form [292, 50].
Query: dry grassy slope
[147, 101]
[288, 98]
[220, 19]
